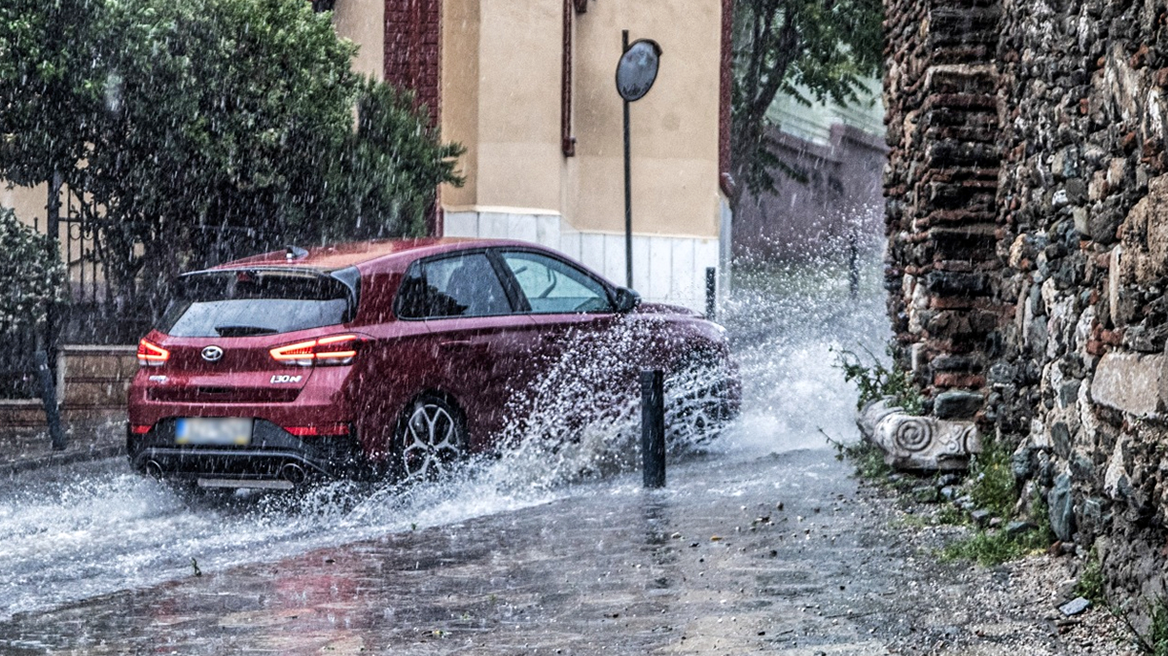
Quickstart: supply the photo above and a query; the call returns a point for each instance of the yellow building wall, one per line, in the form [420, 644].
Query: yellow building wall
[501, 99]
[460, 94]
[28, 202]
[674, 128]
[363, 22]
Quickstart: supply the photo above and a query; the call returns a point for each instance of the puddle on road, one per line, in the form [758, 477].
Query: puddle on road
[97, 528]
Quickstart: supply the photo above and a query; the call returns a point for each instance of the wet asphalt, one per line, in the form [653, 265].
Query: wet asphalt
[781, 553]
[775, 554]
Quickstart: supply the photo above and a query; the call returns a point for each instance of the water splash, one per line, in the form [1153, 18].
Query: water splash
[97, 528]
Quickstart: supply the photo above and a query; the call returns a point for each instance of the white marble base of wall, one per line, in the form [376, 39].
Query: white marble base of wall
[666, 268]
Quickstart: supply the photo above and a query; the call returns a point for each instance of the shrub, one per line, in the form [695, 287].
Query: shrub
[875, 381]
[993, 488]
[30, 276]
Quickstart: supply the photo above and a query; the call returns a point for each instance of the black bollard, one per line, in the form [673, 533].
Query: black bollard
[711, 292]
[653, 427]
[49, 396]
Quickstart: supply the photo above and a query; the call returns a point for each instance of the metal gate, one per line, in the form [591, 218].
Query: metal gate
[94, 312]
[97, 312]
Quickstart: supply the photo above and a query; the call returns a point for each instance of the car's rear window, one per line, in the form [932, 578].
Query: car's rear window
[242, 303]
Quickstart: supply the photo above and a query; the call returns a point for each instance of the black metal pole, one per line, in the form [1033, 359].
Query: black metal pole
[49, 397]
[653, 427]
[628, 184]
[711, 292]
[46, 351]
[853, 264]
[54, 218]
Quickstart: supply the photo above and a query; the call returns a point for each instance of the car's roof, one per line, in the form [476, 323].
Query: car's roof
[340, 256]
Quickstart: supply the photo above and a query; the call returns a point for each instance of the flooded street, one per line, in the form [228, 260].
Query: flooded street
[610, 567]
[74, 536]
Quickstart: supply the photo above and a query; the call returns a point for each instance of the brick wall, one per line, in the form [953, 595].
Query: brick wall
[413, 50]
[1027, 216]
[940, 185]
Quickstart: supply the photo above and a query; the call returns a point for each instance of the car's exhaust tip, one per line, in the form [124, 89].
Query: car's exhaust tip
[153, 469]
[293, 473]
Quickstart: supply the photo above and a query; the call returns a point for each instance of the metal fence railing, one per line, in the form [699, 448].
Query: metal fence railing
[18, 372]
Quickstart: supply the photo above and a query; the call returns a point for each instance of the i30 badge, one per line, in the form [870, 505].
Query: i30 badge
[212, 353]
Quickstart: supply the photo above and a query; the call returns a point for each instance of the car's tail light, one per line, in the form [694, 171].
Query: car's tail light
[333, 350]
[139, 429]
[151, 355]
[319, 430]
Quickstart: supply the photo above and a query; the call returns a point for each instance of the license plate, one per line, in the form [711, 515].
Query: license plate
[217, 431]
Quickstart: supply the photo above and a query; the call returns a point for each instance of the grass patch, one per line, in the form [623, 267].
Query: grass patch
[992, 472]
[867, 458]
[1090, 584]
[990, 548]
[994, 489]
[951, 515]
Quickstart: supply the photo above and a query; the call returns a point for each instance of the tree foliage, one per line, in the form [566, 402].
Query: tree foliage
[32, 274]
[390, 155]
[51, 83]
[200, 130]
[812, 50]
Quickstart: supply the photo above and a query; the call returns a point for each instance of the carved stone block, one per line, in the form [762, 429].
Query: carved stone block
[918, 443]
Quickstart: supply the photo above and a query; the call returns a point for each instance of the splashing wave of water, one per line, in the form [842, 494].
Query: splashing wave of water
[98, 528]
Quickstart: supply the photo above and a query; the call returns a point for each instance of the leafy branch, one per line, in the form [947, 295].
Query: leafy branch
[874, 381]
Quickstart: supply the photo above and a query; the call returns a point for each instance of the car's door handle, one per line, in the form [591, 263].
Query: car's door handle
[462, 344]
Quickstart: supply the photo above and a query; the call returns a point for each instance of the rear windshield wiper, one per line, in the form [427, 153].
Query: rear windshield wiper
[243, 331]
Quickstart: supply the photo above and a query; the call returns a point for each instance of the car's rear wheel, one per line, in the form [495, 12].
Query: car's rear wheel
[431, 439]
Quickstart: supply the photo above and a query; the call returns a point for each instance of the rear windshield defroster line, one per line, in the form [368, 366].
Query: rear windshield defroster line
[244, 302]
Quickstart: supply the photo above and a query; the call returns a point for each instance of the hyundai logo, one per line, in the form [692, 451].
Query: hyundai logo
[212, 353]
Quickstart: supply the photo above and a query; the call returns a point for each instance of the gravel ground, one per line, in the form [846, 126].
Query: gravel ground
[958, 607]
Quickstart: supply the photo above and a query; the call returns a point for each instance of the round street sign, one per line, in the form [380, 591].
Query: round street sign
[637, 69]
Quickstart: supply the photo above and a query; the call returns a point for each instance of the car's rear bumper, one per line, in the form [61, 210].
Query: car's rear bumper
[273, 454]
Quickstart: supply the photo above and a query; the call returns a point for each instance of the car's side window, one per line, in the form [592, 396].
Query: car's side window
[554, 286]
[461, 286]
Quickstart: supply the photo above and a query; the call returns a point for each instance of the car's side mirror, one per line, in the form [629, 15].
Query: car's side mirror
[626, 299]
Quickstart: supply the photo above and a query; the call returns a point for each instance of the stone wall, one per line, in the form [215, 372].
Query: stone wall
[1064, 269]
[943, 124]
[1084, 208]
[92, 384]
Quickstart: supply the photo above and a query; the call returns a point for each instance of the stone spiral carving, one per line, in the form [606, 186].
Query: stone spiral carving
[918, 443]
[914, 434]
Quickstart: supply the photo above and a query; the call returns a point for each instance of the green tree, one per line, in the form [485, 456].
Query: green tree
[221, 121]
[385, 178]
[200, 130]
[813, 50]
[51, 86]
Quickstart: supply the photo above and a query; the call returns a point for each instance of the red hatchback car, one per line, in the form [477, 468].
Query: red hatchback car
[389, 357]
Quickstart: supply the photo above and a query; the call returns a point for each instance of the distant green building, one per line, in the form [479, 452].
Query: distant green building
[840, 151]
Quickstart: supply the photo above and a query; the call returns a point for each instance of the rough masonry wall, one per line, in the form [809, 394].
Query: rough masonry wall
[1074, 371]
[940, 184]
[1085, 215]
